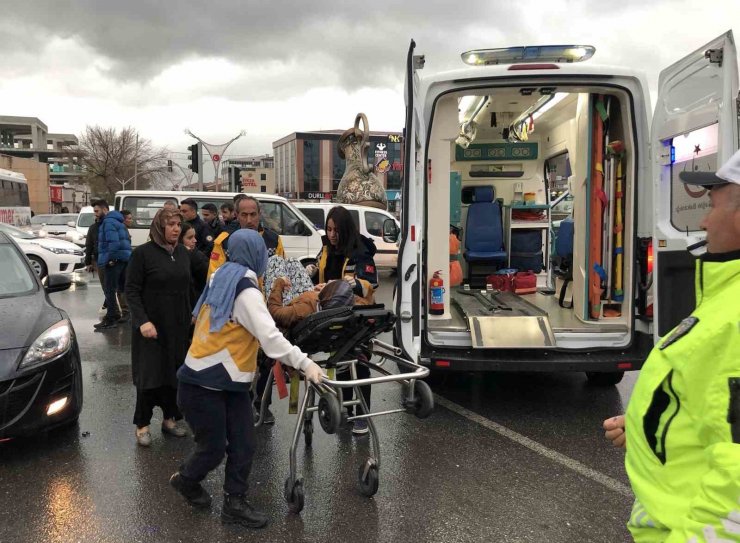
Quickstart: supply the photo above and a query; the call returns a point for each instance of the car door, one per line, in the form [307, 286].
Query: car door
[386, 253]
[694, 128]
[279, 217]
[408, 287]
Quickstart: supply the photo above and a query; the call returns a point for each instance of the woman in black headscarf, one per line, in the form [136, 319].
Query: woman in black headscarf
[157, 288]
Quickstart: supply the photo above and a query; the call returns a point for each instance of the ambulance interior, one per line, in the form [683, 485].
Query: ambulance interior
[538, 185]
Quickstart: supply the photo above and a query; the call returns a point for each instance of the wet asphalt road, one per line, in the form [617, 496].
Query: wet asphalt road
[510, 457]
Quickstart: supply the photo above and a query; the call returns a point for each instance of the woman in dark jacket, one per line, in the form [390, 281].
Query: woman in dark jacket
[198, 263]
[348, 255]
[158, 276]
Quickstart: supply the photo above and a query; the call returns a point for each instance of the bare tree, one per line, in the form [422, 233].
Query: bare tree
[109, 155]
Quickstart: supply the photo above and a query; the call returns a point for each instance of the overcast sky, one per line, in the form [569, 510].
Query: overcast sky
[272, 68]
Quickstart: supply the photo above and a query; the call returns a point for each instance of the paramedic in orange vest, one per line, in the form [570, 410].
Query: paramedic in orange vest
[248, 214]
[347, 254]
[213, 393]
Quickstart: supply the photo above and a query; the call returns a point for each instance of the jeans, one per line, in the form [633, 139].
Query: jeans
[112, 280]
[222, 423]
[363, 372]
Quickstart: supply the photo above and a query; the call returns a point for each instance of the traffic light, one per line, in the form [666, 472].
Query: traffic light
[169, 166]
[194, 158]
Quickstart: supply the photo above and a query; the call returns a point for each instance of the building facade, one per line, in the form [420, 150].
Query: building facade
[308, 165]
[249, 174]
[47, 160]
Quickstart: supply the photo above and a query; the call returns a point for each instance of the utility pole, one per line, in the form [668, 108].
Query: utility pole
[136, 161]
[216, 152]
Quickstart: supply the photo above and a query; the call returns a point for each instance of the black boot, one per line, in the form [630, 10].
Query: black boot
[236, 510]
[192, 492]
[106, 323]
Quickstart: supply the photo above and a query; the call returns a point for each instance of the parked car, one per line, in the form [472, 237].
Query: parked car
[301, 239]
[369, 221]
[47, 255]
[40, 370]
[85, 220]
[62, 226]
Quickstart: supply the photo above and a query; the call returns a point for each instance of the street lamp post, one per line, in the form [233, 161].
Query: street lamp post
[216, 152]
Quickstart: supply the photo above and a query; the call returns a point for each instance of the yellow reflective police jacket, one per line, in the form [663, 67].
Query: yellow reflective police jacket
[683, 420]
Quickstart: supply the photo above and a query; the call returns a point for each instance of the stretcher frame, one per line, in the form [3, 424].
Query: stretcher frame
[331, 407]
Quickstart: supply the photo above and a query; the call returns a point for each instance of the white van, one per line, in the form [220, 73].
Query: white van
[369, 222]
[301, 239]
[492, 139]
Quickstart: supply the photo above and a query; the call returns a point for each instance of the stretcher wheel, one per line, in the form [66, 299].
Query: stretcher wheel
[330, 416]
[423, 403]
[294, 495]
[368, 484]
[308, 432]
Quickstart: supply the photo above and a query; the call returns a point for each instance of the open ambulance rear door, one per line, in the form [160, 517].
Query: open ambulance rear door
[409, 289]
[695, 129]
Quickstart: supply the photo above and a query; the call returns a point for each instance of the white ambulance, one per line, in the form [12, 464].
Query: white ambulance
[574, 225]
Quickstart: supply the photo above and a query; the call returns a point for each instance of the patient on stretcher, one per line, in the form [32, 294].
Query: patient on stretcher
[334, 294]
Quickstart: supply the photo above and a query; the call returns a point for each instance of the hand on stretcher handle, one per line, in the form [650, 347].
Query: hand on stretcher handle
[314, 373]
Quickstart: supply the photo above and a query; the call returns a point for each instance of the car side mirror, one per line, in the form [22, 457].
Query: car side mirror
[390, 231]
[306, 229]
[57, 282]
[71, 224]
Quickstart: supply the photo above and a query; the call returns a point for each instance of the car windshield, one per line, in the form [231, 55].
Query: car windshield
[15, 232]
[40, 219]
[17, 278]
[59, 220]
[86, 220]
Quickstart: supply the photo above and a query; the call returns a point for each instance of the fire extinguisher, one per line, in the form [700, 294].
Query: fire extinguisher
[436, 294]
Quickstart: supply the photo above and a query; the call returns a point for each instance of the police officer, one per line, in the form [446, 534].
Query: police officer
[682, 427]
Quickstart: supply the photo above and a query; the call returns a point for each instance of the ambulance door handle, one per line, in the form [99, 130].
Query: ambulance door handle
[409, 272]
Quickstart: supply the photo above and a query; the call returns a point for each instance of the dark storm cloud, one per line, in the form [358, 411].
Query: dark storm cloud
[349, 44]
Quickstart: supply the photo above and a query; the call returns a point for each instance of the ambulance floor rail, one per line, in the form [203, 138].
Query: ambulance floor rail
[349, 334]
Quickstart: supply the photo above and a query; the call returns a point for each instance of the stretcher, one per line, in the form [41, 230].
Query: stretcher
[347, 336]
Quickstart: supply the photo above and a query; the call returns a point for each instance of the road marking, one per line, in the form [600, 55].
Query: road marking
[568, 462]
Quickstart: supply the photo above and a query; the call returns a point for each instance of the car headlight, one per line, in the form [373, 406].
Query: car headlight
[53, 343]
[59, 250]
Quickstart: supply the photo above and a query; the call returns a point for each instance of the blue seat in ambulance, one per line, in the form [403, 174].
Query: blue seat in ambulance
[484, 231]
[563, 261]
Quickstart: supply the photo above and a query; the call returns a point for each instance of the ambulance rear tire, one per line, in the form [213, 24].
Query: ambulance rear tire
[604, 379]
[330, 416]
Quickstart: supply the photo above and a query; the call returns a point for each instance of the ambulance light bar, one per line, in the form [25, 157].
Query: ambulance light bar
[529, 54]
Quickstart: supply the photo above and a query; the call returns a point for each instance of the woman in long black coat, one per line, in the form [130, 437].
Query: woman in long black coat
[158, 292]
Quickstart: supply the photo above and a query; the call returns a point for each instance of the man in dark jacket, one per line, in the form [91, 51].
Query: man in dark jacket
[100, 207]
[114, 251]
[209, 214]
[228, 216]
[204, 239]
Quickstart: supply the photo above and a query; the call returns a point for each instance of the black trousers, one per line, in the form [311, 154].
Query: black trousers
[363, 372]
[112, 279]
[147, 400]
[222, 423]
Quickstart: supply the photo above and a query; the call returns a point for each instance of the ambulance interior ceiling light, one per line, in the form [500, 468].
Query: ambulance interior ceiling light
[470, 106]
[540, 107]
[529, 54]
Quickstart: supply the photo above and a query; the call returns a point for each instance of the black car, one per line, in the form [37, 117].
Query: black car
[40, 370]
